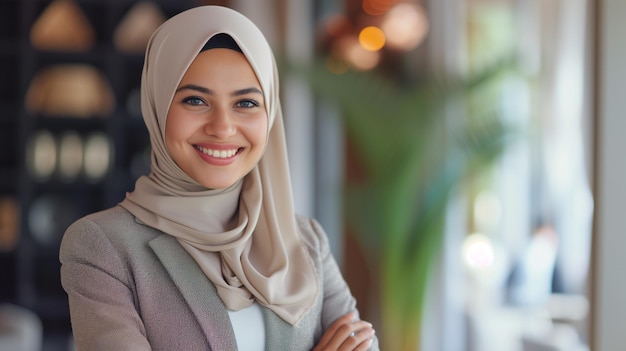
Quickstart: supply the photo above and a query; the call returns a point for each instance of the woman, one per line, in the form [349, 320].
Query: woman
[206, 252]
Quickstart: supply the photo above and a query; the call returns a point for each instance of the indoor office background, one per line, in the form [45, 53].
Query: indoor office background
[520, 250]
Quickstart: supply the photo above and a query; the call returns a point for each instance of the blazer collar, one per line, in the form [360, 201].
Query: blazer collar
[199, 293]
[209, 310]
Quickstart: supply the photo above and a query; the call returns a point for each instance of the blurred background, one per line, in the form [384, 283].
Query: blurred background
[450, 148]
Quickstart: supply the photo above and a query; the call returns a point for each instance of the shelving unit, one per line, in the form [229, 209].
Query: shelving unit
[9, 118]
[30, 272]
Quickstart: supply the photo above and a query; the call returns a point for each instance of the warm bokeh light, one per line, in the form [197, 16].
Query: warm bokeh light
[405, 26]
[372, 38]
[357, 56]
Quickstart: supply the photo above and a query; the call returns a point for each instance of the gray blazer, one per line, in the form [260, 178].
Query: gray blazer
[132, 287]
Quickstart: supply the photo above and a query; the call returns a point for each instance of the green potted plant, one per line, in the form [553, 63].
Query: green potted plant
[415, 155]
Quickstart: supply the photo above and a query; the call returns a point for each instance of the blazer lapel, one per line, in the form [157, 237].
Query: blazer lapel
[199, 293]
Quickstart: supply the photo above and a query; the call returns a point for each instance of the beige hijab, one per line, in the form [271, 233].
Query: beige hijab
[244, 238]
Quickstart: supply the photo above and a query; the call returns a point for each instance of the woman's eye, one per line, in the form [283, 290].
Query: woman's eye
[193, 100]
[247, 103]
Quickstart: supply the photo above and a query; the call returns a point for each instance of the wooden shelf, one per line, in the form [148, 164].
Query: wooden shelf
[29, 274]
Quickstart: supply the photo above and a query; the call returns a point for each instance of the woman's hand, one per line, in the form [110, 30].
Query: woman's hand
[347, 334]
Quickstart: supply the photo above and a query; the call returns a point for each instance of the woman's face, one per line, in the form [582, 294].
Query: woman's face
[216, 126]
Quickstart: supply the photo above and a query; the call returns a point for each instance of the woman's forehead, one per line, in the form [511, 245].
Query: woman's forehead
[222, 66]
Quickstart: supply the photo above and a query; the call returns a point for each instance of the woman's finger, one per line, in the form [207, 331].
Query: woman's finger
[361, 339]
[346, 334]
[330, 332]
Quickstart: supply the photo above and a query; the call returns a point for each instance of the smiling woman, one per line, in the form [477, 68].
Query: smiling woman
[216, 127]
[207, 251]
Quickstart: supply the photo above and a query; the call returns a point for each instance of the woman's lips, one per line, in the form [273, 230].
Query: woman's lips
[220, 156]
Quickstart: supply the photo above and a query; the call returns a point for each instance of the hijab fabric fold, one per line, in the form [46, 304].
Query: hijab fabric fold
[244, 238]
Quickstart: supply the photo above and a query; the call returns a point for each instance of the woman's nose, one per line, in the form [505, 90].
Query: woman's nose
[220, 124]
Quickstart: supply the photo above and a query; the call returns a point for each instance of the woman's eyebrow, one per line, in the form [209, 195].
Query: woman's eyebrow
[196, 88]
[251, 90]
[245, 91]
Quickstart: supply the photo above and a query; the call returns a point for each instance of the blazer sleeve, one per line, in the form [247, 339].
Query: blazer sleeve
[99, 288]
[338, 299]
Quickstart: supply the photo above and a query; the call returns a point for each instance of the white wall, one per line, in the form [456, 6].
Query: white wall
[610, 297]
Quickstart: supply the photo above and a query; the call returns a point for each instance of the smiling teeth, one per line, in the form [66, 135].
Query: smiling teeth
[218, 153]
